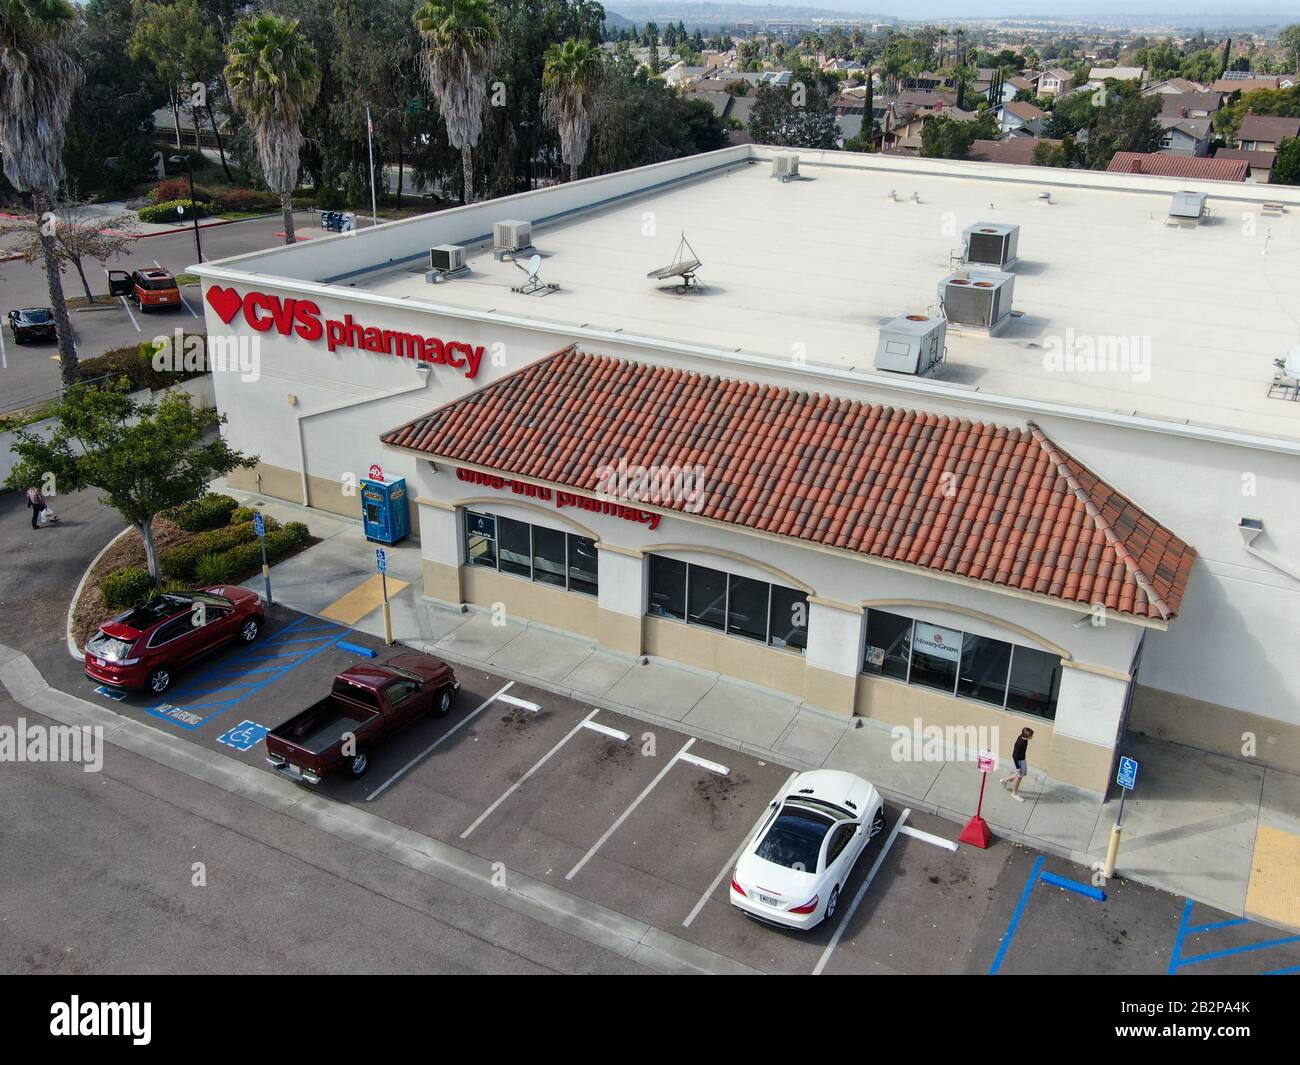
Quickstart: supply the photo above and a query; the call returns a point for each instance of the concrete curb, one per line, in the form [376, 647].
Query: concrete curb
[625, 936]
[75, 651]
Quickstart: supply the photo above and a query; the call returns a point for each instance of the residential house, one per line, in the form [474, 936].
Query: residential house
[1263, 133]
[1021, 119]
[1185, 136]
[1101, 74]
[1259, 165]
[1190, 104]
[1172, 87]
[1017, 151]
[1178, 166]
[1228, 83]
[1051, 82]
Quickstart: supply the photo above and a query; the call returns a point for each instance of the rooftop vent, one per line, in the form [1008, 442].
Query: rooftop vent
[978, 299]
[511, 235]
[992, 244]
[1187, 206]
[785, 166]
[912, 344]
[446, 261]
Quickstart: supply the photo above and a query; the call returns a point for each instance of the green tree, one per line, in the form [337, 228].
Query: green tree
[37, 82]
[798, 115]
[1289, 39]
[571, 72]
[273, 80]
[1286, 166]
[143, 457]
[460, 38]
[943, 137]
[79, 235]
[1127, 122]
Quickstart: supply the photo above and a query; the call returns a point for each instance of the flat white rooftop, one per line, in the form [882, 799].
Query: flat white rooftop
[811, 268]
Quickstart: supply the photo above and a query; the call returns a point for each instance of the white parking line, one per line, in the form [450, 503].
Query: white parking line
[704, 763]
[731, 864]
[128, 311]
[519, 783]
[627, 813]
[435, 744]
[523, 704]
[925, 837]
[862, 891]
[4, 361]
[187, 305]
[605, 730]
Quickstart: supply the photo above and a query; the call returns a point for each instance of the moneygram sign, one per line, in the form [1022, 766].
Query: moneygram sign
[290, 316]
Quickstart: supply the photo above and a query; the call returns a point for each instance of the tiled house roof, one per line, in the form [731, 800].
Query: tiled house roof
[1179, 166]
[986, 502]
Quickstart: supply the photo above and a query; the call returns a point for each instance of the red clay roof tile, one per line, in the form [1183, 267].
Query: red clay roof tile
[987, 502]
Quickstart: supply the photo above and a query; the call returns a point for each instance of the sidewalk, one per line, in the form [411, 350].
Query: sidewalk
[1211, 828]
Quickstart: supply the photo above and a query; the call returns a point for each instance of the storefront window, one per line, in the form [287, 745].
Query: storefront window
[480, 539]
[935, 653]
[788, 619]
[747, 607]
[889, 644]
[969, 666]
[1035, 682]
[706, 591]
[583, 566]
[984, 665]
[516, 547]
[667, 587]
[739, 606]
[548, 556]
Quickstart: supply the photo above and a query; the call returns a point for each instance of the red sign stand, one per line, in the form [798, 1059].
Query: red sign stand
[976, 832]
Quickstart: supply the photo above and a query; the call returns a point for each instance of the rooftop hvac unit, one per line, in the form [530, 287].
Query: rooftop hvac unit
[785, 166]
[511, 235]
[446, 261]
[982, 300]
[1185, 204]
[992, 244]
[912, 344]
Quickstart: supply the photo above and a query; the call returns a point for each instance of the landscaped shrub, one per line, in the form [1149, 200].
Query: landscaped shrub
[244, 559]
[233, 199]
[135, 363]
[213, 569]
[280, 542]
[177, 188]
[167, 211]
[209, 512]
[241, 514]
[125, 587]
[179, 562]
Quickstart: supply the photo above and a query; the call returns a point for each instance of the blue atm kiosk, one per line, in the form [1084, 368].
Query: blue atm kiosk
[385, 510]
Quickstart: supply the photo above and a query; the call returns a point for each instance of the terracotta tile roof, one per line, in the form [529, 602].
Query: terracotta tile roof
[833, 471]
[1180, 166]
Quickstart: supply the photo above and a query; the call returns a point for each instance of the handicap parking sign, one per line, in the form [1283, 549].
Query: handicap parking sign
[381, 560]
[1128, 773]
[244, 735]
[259, 526]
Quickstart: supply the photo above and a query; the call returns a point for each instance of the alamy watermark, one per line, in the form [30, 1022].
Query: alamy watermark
[653, 484]
[188, 353]
[1102, 354]
[83, 745]
[941, 743]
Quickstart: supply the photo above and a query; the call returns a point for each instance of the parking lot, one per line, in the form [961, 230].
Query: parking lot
[648, 822]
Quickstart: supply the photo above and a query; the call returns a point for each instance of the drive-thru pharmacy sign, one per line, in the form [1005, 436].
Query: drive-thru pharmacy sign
[560, 499]
[290, 316]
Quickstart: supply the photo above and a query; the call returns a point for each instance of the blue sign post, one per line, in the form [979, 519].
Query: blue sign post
[1126, 778]
[259, 527]
[381, 564]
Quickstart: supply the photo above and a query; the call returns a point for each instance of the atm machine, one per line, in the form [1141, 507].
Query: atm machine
[385, 510]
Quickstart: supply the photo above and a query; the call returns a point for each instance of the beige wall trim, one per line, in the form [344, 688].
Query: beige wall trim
[835, 604]
[790, 541]
[618, 549]
[437, 504]
[552, 513]
[734, 556]
[922, 604]
[1101, 671]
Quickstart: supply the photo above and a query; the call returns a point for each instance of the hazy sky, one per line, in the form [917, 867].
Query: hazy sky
[1186, 11]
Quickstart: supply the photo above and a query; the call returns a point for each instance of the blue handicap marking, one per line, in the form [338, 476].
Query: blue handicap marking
[259, 526]
[244, 735]
[110, 693]
[381, 560]
[1128, 773]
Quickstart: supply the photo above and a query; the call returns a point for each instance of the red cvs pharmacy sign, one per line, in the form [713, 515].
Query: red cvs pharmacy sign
[291, 316]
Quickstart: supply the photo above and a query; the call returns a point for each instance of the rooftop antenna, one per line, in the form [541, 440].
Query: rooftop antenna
[535, 286]
[685, 263]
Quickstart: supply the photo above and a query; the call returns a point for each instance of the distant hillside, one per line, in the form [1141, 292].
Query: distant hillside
[707, 15]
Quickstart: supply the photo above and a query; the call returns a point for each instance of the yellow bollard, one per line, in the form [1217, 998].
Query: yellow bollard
[1112, 852]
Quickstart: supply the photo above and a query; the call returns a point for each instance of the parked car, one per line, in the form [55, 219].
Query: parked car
[793, 869]
[148, 289]
[146, 646]
[32, 323]
[366, 705]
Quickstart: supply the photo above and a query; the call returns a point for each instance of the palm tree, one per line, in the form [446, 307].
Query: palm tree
[460, 39]
[273, 76]
[37, 82]
[569, 78]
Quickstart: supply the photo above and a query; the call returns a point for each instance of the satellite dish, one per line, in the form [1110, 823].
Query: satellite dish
[1292, 362]
[534, 264]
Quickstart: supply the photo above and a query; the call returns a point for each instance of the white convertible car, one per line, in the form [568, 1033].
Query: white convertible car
[793, 869]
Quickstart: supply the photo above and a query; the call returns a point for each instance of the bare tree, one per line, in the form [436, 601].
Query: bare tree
[78, 234]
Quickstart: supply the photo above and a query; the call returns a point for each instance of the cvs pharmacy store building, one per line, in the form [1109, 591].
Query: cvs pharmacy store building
[863, 559]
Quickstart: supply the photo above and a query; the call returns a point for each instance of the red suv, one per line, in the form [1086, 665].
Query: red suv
[150, 289]
[144, 647]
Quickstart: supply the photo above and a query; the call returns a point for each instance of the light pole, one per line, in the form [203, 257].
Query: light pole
[194, 207]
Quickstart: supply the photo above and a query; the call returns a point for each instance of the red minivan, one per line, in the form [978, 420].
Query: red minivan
[149, 289]
[144, 647]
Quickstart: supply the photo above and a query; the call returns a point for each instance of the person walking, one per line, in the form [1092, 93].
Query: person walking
[1019, 754]
[37, 503]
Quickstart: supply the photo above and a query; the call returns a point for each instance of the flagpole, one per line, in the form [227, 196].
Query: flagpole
[370, 148]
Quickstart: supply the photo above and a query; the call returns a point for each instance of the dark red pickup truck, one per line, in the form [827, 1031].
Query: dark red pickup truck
[368, 703]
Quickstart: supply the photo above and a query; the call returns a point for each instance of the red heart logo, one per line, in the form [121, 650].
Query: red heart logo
[225, 301]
